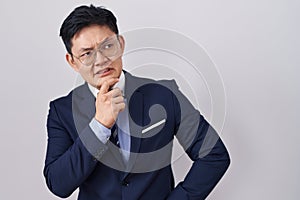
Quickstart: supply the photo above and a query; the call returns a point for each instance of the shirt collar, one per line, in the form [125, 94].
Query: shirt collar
[120, 84]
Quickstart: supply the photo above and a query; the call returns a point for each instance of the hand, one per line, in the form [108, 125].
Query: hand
[109, 103]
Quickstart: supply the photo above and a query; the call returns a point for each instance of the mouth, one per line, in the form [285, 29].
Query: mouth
[104, 72]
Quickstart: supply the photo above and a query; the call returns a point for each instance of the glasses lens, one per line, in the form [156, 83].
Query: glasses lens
[111, 48]
[89, 59]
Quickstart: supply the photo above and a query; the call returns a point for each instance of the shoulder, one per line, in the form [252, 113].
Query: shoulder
[66, 101]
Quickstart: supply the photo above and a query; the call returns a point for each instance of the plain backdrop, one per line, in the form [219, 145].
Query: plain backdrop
[254, 44]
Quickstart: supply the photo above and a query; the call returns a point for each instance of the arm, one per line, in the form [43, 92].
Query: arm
[68, 163]
[203, 145]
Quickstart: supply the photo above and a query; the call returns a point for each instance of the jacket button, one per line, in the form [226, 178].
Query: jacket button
[125, 183]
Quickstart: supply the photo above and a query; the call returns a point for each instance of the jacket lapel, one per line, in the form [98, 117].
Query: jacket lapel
[136, 111]
[83, 107]
[85, 100]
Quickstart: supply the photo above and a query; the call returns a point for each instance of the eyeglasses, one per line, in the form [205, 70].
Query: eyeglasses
[110, 49]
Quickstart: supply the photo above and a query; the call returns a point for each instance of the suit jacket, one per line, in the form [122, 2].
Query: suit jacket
[75, 157]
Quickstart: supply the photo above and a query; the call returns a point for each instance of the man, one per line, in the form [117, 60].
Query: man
[112, 136]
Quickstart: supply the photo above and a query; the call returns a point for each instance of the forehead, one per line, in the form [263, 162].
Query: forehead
[90, 36]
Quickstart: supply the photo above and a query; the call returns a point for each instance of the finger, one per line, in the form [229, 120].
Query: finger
[104, 88]
[119, 99]
[115, 93]
[107, 84]
[119, 106]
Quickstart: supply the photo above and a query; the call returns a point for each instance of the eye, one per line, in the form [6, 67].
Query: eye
[108, 46]
[85, 54]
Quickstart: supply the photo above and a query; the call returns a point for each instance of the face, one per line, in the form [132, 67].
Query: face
[104, 68]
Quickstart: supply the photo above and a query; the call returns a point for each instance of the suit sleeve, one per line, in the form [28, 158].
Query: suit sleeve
[68, 163]
[203, 145]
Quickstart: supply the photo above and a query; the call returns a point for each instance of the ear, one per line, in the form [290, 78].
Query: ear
[122, 42]
[72, 62]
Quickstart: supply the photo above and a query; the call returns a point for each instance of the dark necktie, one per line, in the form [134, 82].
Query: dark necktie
[114, 135]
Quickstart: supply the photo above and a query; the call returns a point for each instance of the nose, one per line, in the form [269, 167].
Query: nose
[100, 60]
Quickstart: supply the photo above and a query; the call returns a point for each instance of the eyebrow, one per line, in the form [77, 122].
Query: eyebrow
[107, 39]
[90, 48]
[85, 49]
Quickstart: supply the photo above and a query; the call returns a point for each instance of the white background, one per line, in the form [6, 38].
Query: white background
[255, 45]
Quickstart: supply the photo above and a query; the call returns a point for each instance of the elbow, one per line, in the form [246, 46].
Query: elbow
[56, 185]
[226, 161]
[59, 193]
[225, 157]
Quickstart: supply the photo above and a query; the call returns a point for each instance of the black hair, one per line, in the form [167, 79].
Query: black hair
[84, 16]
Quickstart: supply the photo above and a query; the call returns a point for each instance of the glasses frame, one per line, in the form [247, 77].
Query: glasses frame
[98, 49]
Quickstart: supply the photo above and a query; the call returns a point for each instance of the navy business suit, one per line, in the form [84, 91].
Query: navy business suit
[76, 158]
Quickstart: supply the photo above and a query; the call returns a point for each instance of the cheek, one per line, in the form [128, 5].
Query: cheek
[86, 72]
[118, 64]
